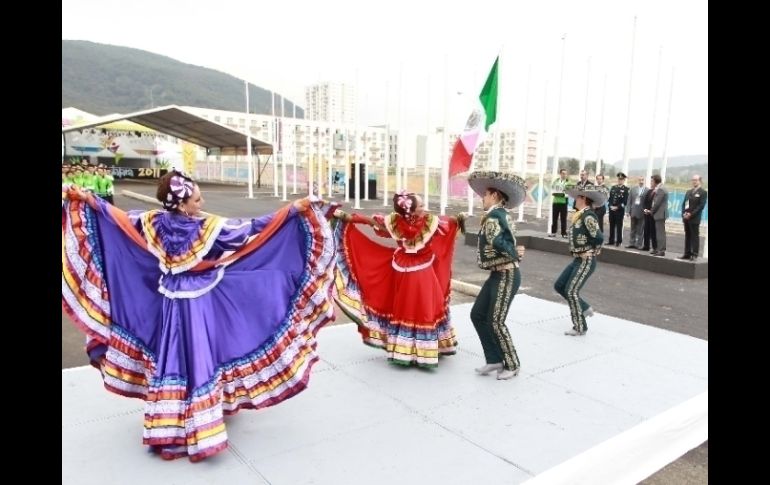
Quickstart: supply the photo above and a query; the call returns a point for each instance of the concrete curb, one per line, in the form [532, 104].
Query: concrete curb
[138, 196]
[633, 259]
[465, 288]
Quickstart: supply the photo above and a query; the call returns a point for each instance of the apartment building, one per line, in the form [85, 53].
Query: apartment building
[306, 140]
[331, 102]
[429, 148]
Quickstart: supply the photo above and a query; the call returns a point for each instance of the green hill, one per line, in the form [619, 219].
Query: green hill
[104, 79]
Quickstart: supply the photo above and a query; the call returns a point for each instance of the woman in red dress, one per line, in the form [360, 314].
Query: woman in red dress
[399, 296]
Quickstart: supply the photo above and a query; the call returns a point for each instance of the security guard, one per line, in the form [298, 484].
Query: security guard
[618, 202]
[692, 208]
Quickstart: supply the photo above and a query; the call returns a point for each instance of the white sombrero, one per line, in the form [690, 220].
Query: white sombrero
[509, 184]
[597, 194]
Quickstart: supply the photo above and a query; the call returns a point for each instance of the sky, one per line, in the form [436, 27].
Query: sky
[419, 64]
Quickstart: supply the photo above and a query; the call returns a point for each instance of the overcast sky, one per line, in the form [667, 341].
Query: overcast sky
[400, 51]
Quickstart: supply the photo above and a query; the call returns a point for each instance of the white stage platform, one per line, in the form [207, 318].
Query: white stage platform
[613, 406]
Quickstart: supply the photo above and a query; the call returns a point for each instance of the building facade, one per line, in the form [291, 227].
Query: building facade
[307, 141]
[331, 102]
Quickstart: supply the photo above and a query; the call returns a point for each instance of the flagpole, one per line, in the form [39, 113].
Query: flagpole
[525, 144]
[347, 165]
[494, 151]
[473, 137]
[495, 165]
[541, 156]
[294, 148]
[654, 116]
[444, 141]
[386, 148]
[668, 127]
[311, 159]
[426, 172]
[555, 167]
[585, 118]
[401, 137]
[280, 149]
[494, 160]
[628, 111]
[248, 144]
[470, 190]
[471, 168]
[275, 141]
[356, 158]
[329, 160]
[404, 168]
[357, 170]
[366, 147]
[319, 166]
[601, 128]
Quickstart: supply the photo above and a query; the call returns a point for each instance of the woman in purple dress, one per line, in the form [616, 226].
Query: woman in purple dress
[200, 316]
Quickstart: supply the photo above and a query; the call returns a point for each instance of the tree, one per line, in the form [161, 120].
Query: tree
[571, 164]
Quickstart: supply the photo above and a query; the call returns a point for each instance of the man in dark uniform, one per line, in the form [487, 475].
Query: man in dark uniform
[618, 202]
[585, 243]
[692, 207]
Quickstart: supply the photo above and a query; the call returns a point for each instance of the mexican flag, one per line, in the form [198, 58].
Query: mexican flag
[477, 125]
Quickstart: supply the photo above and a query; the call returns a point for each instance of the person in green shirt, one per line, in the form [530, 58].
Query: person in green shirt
[104, 183]
[498, 253]
[559, 204]
[89, 177]
[65, 174]
[77, 175]
[585, 243]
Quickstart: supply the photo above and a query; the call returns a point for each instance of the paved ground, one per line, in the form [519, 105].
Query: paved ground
[668, 302]
[612, 407]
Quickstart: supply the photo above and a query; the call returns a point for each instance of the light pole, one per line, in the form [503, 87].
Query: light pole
[248, 144]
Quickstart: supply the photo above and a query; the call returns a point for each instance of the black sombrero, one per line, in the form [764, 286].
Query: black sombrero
[509, 184]
[597, 194]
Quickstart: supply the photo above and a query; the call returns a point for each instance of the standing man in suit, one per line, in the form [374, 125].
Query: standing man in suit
[635, 209]
[617, 203]
[692, 207]
[583, 179]
[658, 212]
[581, 183]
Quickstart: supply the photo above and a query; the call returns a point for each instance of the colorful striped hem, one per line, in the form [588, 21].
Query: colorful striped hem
[181, 422]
